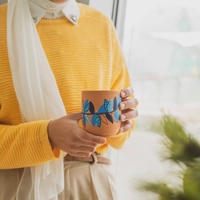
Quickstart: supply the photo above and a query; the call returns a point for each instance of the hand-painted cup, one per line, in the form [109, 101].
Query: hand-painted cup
[101, 112]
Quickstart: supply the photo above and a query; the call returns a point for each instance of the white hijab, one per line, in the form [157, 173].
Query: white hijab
[37, 94]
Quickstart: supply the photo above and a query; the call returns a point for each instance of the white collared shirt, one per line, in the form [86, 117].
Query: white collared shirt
[71, 11]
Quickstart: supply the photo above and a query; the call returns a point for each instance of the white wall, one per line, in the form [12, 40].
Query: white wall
[103, 5]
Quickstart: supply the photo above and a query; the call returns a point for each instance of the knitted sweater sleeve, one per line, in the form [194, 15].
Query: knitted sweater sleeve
[25, 145]
[120, 80]
[21, 144]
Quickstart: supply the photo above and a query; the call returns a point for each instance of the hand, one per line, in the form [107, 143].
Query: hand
[66, 134]
[127, 107]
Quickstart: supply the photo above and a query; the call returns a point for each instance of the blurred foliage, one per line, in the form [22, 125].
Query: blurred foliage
[183, 150]
[164, 191]
[181, 145]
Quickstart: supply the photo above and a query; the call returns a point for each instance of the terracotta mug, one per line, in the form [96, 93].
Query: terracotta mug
[101, 112]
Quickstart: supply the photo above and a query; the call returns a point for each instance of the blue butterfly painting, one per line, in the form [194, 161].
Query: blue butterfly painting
[107, 112]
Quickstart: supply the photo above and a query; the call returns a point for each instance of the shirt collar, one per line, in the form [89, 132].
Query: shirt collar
[71, 11]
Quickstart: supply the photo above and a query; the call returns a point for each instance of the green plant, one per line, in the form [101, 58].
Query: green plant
[183, 150]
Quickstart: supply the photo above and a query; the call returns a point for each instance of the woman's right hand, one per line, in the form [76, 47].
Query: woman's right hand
[66, 134]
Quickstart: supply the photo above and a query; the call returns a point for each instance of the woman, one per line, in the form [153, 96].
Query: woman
[50, 52]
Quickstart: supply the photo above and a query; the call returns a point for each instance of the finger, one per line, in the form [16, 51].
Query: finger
[81, 149]
[129, 114]
[129, 103]
[126, 126]
[127, 92]
[77, 141]
[87, 137]
[80, 154]
[87, 144]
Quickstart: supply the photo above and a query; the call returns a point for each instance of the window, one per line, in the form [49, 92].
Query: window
[161, 45]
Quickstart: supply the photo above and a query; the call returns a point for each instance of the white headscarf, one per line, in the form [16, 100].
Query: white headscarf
[37, 94]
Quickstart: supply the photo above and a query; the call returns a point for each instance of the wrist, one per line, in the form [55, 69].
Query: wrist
[49, 135]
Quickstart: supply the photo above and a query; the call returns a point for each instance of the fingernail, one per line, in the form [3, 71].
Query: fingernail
[123, 94]
[123, 105]
[102, 140]
[123, 117]
[121, 129]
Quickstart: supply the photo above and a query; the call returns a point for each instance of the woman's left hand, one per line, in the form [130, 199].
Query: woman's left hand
[128, 111]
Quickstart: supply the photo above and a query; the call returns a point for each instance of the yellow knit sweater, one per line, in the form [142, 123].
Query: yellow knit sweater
[83, 56]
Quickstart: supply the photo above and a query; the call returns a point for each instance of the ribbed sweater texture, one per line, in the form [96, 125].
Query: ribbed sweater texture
[86, 56]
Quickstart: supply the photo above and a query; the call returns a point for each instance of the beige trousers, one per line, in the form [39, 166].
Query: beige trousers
[83, 181]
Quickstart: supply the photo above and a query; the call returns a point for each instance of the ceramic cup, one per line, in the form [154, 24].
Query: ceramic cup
[100, 112]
